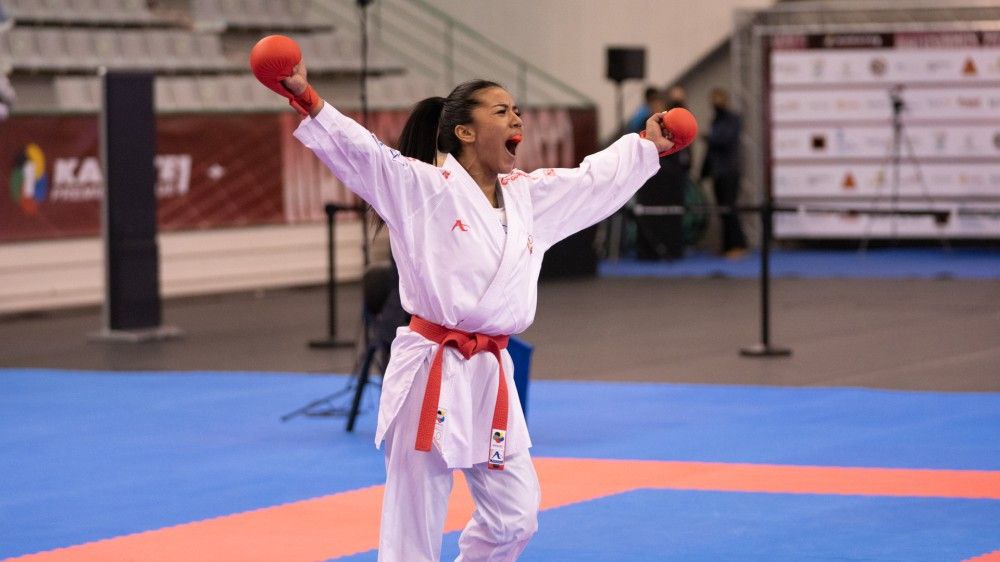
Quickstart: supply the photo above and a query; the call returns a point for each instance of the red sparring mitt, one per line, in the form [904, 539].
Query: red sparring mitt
[680, 127]
[272, 60]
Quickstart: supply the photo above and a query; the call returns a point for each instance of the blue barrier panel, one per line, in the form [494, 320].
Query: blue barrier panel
[520, 353]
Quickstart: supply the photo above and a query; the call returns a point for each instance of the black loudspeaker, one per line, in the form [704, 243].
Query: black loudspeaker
[626, 63]
[128, 134]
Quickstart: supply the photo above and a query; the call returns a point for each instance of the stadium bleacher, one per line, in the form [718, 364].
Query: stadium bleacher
[199, 56]
[83, 12]
[257, 14]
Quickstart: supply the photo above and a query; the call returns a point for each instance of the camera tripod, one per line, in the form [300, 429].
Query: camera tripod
[894, 159]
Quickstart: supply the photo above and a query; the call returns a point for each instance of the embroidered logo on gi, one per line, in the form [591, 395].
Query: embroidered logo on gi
[531, 244]
[439, 427]
[395, 154]
[504, 180]
[445, 173]
[550, 172]
[460, 225]
[497, 447]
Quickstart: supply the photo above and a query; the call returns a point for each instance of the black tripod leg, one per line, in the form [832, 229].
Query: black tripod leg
[359, 390]
[310, 408]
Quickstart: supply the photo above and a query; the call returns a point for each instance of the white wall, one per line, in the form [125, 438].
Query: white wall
[64, 273]
[568, 38]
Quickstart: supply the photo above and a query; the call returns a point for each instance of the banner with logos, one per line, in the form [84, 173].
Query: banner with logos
[832, 102]
[215, 171]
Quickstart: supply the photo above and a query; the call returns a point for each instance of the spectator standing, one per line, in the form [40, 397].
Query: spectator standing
[722, 165]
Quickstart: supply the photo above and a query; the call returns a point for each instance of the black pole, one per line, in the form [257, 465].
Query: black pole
[764, 349]
[620, 105]
[363, 5]
[365, 247]
[331, 340]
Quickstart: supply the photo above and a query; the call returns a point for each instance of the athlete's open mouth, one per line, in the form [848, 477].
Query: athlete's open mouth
[512, 143]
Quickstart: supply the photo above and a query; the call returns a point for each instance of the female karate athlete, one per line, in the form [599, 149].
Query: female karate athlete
[468, 238]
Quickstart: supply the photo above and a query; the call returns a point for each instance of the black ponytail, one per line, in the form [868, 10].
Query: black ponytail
[418, 137]
[431, 127]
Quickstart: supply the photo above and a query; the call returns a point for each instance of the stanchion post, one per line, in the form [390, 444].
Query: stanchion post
[331, 340]
[764, 349]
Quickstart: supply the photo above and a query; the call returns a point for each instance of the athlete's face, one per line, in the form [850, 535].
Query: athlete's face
[496, 129]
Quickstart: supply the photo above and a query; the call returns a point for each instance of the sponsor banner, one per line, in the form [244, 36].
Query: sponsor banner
[900, 40]
[920, 105]
[217, 170]
[33, 150]
[851, 226]
[875, 180]
[928, 144]
[833, 105]
[871, 67]
[212, 171]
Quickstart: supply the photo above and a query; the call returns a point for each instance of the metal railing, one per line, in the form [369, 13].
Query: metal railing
[430, 43]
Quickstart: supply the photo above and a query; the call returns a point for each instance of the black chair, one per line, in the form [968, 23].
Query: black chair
[383, 313]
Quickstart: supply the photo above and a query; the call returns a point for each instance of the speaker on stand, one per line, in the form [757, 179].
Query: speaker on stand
[624, 63]
[132, 307]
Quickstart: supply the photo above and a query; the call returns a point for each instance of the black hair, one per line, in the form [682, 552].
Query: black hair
[457, 110]
[431, 126]
[422, 125]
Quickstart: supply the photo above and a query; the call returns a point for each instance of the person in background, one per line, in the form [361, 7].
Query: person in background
[676, 96]
[722, 165]
[652, 99]
[661, 237]
[7, 95]
[6, 22]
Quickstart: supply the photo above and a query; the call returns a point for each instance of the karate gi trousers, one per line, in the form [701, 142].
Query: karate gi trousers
[418, 485]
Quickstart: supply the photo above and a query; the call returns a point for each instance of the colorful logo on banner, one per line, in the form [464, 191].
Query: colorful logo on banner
[969, 67]
[29, 185]
[878, 66]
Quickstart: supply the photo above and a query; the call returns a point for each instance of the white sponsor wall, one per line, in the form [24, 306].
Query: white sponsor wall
[568, 38]
[831, 109]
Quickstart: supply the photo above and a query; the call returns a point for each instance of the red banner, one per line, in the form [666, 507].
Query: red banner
[213, 171]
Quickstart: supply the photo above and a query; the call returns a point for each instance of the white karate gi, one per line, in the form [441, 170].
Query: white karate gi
[458, 268]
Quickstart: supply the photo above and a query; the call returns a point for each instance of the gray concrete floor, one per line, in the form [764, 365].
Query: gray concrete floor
[902, 334]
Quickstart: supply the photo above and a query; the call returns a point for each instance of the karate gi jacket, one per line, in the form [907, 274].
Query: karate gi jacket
[460, 269]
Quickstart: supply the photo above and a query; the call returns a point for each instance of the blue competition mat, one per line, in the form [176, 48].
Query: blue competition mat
[86, 456]
[893, 263]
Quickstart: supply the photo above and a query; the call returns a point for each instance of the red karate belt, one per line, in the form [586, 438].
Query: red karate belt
[468, 345]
